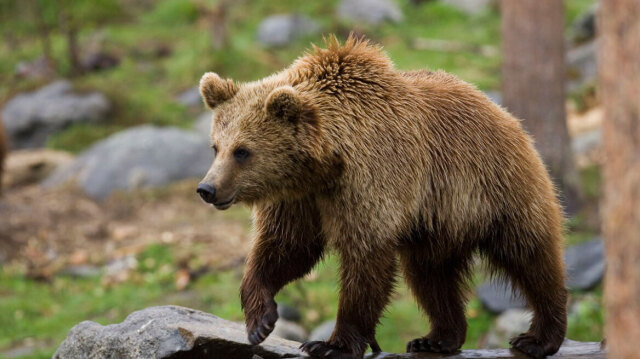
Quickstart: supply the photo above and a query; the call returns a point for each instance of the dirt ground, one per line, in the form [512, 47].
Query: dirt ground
[45, 231]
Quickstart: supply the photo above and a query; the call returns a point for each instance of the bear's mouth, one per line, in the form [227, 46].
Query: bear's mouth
[224, 205]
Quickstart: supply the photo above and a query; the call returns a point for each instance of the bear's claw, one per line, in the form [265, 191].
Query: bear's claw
[262, 331]
[529, 345]
[323, 350]
[432, 346]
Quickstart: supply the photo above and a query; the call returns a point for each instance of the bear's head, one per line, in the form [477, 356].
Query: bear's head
[265, 142]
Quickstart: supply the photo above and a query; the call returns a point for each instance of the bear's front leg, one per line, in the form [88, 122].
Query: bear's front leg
[288, 244]
[260, 309]
[367, 277]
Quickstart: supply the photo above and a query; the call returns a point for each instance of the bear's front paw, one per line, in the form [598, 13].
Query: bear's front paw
[263, 325]
[432, 345]
[317, 349]
[533, 346]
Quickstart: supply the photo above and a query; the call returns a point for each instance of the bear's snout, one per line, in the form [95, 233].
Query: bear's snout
[207, 192]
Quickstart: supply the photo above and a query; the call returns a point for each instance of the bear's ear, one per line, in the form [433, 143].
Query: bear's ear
[284, 103]
[215, 90]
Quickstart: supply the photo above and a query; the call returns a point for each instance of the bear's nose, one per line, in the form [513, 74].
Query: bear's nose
[207, 192]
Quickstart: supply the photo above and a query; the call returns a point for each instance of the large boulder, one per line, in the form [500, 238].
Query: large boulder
[169, 332]
[498, 296]
[31, 118]
[585, 264]
[190, 98]
[508, 325]
[202, 125]
[139, 157]
[373, 12]
[582, 66]
[281, 30]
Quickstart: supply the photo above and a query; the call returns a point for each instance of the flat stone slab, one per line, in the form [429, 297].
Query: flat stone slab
[569, 350]
[169, 332]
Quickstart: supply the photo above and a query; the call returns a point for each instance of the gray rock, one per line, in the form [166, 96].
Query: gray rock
[39, 69]
[281, 30]
[30, 118]
[586, 142]
[203, 124]
[82, 271]
[585, 264]
[509, 324]
[582, 66]
[289, 330]
[190, 98]
[169, 332]
[470, 7]
[100, 60]
[373, 12]
[289, 313]
[120, 265]
[323, 331]
[138, 157]
[498, 296]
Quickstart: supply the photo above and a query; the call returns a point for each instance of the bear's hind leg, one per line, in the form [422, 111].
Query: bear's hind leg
[439, 289]
[535, 267]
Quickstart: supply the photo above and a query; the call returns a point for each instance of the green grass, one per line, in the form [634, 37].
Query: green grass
[53, 308]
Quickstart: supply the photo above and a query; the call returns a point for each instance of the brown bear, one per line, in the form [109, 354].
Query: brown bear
[342, 151]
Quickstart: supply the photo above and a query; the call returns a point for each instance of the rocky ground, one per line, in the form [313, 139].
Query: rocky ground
[62, 229]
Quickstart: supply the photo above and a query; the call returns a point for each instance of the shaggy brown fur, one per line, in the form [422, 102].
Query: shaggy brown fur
[342, 151]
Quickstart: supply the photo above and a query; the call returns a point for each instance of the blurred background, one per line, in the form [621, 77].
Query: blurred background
[108, 138]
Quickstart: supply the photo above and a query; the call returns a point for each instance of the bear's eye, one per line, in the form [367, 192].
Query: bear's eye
[240, 154]
[215, 150]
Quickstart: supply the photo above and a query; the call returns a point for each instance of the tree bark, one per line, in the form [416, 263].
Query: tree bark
[70, 30]
[619, 69]
[533, 78]
[219, 26]
[44, 30]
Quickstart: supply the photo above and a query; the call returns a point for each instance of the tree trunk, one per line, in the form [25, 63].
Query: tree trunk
[44, 30]
[533, 78]
[71, 32]
[619, 68]
[219, 26]
[74, 58]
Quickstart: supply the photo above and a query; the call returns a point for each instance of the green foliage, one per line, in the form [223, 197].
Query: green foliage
[591, 180]
[586, 319]
[79, 136]
[53, 308]
[171, 13]
[574, 8]
[85, 13]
